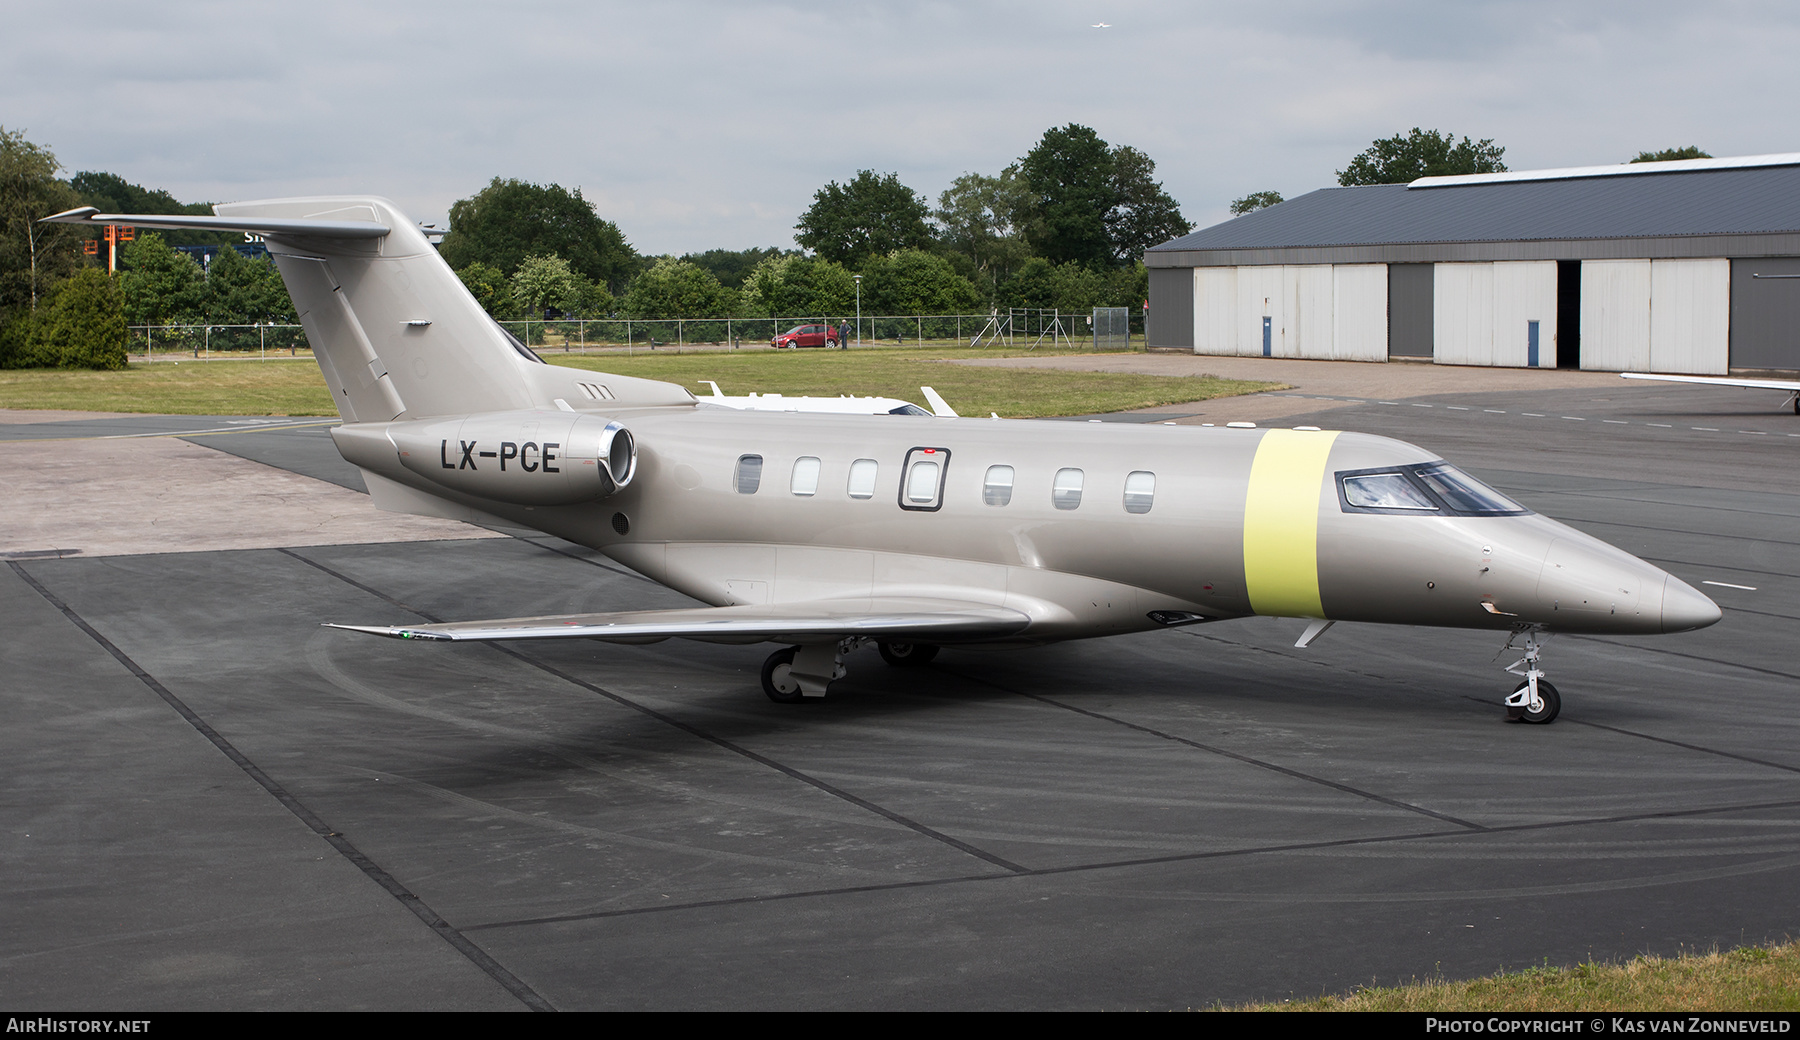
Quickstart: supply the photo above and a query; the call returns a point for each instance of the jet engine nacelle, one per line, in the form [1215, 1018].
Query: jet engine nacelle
[534, 458]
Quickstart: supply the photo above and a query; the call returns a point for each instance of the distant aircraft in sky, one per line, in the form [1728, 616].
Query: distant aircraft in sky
[823, 533]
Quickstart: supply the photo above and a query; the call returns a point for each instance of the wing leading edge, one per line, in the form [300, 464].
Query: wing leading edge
[915, 619]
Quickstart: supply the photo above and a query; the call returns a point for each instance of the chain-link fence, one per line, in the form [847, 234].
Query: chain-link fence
[1014, 329]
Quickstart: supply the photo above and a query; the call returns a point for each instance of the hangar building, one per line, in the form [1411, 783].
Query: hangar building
[1690, 267]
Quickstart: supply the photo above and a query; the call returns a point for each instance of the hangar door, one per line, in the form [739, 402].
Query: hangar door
[1765, 313]
[1501, 313]
[1656, 316]
[1322, 311]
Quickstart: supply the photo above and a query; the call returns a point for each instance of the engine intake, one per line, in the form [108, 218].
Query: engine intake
[526, 458]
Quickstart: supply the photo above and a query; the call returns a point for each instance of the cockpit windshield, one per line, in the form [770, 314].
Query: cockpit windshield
[1430, 489]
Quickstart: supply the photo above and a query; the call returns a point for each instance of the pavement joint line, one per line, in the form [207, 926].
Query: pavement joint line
[1677, 530]
[1703, 749]
[694, 731]
[1763, 613]
[1696, 657]
[344, 847]
[1211, 749]
[1724, 566]
[620, 571]
[1148, 861]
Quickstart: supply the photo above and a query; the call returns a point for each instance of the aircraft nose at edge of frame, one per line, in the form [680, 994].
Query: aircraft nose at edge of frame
[1685, 607]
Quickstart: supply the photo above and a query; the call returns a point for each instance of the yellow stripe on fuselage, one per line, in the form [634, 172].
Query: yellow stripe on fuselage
[1281, 523]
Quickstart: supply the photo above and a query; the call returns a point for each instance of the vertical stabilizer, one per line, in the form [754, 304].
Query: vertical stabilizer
[395, 332]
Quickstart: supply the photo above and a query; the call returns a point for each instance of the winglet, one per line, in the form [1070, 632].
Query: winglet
[939, 406]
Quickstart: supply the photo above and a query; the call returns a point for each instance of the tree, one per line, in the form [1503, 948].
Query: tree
[160, 285]
[1071, 173]
[547, 282]
[1421, 153]
[510, 219]
[797, 286]
[488, 285]
[86, 324]
[1143, 215]
[1671, 154]
[913, 281]
[244, 291]
[33, 256]
[81, 326]
[1254, 201]
[677, 289]
[982, 219]
[732, 266]
[111, 193]
[869, 216]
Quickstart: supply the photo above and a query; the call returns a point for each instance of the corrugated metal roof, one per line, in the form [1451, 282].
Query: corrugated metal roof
[1697, 202]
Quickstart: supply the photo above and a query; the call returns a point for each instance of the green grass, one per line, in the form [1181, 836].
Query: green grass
[1755, 978]
[283, 387]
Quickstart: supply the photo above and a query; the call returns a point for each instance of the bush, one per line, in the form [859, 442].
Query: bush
[83, 327]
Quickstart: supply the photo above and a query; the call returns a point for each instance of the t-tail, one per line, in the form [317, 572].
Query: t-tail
[395, 332]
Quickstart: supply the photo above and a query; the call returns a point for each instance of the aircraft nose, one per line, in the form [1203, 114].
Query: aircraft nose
[1685, 607]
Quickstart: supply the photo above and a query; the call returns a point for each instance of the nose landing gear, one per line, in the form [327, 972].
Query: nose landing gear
[1534, 700]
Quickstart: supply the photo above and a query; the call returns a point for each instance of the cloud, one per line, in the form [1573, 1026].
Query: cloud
[696, 124]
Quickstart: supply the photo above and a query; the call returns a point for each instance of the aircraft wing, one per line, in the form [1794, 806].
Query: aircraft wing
[920, 620]
[1788, 385]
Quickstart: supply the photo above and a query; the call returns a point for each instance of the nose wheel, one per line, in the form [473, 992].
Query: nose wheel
[1534, 700]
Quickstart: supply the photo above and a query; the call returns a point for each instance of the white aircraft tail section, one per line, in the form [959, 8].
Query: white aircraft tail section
[396, 334]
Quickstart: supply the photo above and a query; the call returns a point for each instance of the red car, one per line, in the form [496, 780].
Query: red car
[808, 336]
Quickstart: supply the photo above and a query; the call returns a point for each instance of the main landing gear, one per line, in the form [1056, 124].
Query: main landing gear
[797, 673]
[1533, 700]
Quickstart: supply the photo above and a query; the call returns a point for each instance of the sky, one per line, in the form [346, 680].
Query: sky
[700, 125]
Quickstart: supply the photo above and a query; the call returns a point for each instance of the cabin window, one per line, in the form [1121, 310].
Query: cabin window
[1385, 491]
[922, 487]
[749, 474]
[1464, 494]
[862, 478]
[805, 481]
[1065, 491]
[1423, 489]
[996, 489]
[1140, 491]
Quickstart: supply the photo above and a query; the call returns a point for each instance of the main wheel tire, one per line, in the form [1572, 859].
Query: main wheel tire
[778, 680]
[1552, 706]
[907, 655]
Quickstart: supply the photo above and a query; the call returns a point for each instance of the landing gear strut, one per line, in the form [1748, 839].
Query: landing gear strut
[1534, 700]
[798, 673]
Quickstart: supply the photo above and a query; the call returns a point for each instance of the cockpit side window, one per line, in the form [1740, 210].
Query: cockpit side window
[1430, 489]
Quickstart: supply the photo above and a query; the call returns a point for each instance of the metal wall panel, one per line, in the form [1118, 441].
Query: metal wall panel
[1411, 288]
[1462, 308]
[1615, 315]
[1308, 331]
[1524, 292]
[1171, 318]
[1215, 310]
[1259, 296]
[1359, 312]
[1690, 316]
[1765, 314]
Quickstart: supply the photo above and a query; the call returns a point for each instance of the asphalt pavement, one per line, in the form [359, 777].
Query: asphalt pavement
[208, 801]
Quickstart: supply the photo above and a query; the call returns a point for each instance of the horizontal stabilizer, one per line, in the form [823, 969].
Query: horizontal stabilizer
[291, 227]
[919, 620]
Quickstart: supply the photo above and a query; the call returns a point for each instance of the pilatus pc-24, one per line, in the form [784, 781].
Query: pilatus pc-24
[823, 532]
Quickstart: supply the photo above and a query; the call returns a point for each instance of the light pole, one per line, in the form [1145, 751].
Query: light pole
[858, 309]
